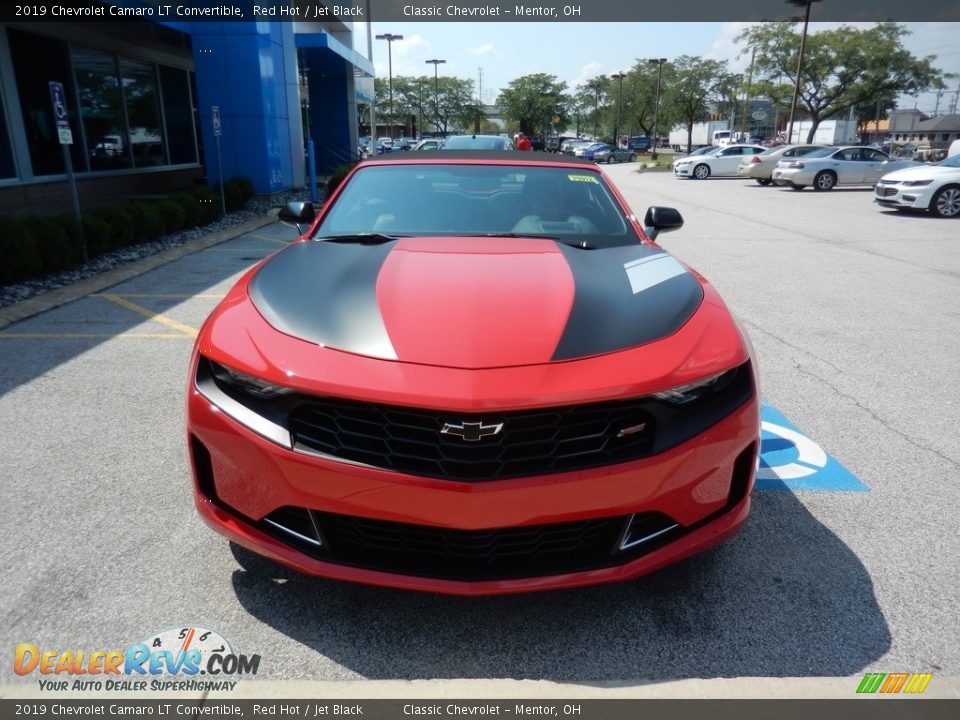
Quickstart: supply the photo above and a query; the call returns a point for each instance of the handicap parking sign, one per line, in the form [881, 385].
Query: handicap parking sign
[790, 460]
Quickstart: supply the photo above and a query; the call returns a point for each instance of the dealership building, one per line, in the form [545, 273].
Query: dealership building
[157, 105]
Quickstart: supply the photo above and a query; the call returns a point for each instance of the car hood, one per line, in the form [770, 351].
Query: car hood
[921, 172]
[474, 302]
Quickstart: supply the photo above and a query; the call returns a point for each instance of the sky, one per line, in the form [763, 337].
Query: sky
[576, 52]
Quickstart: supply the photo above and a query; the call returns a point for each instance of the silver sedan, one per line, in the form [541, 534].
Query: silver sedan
[760, 167]
[825, 169]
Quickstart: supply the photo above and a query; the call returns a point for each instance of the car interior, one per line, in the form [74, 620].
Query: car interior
[478, 200]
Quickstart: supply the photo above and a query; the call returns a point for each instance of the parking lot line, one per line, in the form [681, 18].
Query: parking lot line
[151, 315]
[171, 296]
[74, 336]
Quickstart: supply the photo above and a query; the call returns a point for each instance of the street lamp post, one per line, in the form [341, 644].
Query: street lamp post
[803, 42]
[420, 109]
[436, 90]
[616, 133]
[389, 37]
[656, 108]
[596, 111]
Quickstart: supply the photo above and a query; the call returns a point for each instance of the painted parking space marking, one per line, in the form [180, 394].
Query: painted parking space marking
[789, 460]
[151, 315]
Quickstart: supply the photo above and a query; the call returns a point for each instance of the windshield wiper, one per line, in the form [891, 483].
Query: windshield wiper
[364, 238]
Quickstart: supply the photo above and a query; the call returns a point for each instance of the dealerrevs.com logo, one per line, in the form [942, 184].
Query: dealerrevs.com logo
[184, 658]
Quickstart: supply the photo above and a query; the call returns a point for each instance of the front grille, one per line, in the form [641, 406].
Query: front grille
[527, 442]
[411, 440]
[495, 554]
[885, 191]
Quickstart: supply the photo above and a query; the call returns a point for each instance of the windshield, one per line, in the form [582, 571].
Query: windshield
[953, 162]
[568, 204]
[475, 142]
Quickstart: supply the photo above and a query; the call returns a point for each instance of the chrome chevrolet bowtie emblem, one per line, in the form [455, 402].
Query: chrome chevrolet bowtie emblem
[471, 431]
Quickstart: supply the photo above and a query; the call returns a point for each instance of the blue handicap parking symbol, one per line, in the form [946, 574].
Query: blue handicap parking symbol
[789, 460]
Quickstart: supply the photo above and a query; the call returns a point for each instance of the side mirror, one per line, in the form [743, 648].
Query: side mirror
[661, 219]
[297, 213]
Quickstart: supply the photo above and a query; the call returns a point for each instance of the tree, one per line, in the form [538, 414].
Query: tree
[596, 94]
[445, 103]
[842, 68]
[533, 101]
[693, 86]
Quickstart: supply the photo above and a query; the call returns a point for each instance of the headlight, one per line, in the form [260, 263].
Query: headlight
[247, 383]
[683, 394]
[916, 183]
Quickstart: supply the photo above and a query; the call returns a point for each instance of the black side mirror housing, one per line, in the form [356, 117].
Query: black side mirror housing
[297, 214]
[661, 219]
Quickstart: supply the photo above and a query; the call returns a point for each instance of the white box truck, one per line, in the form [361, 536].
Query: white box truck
[712, 132]
[829, 132]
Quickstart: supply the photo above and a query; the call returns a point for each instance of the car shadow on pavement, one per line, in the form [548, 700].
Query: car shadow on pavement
[785, 598]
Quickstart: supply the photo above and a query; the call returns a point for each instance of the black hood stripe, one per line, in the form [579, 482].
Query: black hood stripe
[624, 297]
[326, 293]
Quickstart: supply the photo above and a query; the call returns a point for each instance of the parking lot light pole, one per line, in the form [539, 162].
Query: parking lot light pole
[803, 42]
[436, 91]
[389, 37]
[616, 133]
[656, 108]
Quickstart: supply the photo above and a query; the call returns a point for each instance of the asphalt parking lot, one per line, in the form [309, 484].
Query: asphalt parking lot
[854, 313]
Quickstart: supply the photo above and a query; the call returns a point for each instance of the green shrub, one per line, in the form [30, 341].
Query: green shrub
[121, 225]
[172, 214]
[232, 195]
[246, 188]
[20, 253]
[339, 173]
[148, 225]
[99, 236]
[51, 239]
[209, 205]
[192, 210]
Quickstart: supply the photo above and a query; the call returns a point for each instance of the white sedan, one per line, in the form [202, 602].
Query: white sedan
[719, 162]
[832, 166]
[928, 187]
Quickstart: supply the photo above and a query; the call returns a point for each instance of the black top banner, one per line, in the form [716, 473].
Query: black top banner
[481, 10]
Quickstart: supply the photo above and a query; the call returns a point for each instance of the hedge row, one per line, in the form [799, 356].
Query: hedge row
[35, 246]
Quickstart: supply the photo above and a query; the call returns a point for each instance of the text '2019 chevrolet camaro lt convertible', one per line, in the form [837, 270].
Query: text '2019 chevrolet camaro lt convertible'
[474, 373]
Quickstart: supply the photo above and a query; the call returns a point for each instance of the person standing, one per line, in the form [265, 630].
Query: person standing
[524, 144]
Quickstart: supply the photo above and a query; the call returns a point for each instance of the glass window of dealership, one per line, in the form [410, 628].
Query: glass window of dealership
[140, 96]
[126, 112]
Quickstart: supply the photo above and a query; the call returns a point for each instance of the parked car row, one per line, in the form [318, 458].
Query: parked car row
[899, 183]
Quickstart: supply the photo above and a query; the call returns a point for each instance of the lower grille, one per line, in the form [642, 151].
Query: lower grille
[468, 555]
[885, 191]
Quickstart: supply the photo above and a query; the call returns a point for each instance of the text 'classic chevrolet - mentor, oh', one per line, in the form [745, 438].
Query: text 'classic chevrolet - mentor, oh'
[474, 373]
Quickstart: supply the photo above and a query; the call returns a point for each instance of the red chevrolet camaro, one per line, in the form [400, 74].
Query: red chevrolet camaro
[474, 373]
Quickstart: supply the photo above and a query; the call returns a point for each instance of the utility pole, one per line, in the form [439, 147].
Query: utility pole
[803, 44]
[373, 100]
[616, 133]
[746, 92]
[656, 109]
[389, 37]
[436, 91]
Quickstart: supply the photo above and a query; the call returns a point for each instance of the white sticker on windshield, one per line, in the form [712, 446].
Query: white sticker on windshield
[643, 274]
